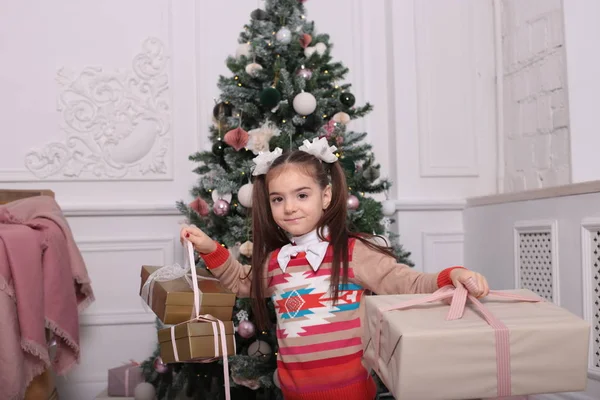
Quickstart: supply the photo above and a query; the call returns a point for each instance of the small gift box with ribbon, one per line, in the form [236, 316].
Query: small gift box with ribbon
[202, 338]
[194, 340]
[123, 380]
[508, 344]
[168, 291]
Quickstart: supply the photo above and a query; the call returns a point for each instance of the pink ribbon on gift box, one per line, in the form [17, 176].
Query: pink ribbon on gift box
[217, 325]
[133, 364]
[458, 302]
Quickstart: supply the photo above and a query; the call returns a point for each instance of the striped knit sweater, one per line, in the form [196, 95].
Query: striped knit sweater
[320, 345]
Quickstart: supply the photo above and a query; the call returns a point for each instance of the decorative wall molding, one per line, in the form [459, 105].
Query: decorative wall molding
[165, 209]
[430, 204]
[590, 259]
[119, 210]
[432, 240]
[162, 243]
[435, 119]
[117, 124]
[130, 317]
[547, 230]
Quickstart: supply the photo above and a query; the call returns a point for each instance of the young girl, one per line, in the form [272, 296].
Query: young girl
[316, 272]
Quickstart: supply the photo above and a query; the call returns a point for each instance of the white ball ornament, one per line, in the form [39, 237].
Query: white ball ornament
[245, 195]
[321, 48]
[284, 35]
[243, 50]
[253, 69]
[259, 348]
[388, 207]
[305, 103]
[341, 118]
[144, 391]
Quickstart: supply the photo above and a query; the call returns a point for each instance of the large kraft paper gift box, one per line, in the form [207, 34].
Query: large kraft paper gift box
[195, 340]
[423, 356]
[172, 301]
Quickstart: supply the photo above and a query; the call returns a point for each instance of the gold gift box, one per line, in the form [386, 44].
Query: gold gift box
[194, 340]
[173, 301]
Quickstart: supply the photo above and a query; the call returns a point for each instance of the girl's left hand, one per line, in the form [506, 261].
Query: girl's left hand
[460, 276]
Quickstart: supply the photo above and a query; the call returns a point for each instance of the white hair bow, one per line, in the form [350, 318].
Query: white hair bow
[264, 160]
[320, 149]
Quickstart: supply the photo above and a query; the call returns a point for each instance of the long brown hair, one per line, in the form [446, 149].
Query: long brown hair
[267, 236]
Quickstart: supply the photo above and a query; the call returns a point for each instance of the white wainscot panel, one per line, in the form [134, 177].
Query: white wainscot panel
[114, 265]
[442, 250]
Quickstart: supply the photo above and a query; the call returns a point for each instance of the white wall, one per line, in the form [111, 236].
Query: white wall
[535, 111]
[583, 64]
[432, 129]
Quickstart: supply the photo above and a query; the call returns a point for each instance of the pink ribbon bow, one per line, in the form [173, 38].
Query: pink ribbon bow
[459, 298]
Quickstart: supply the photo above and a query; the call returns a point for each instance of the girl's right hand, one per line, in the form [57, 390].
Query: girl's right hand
[200, 240]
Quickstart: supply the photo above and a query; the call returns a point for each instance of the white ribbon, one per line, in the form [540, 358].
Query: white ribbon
[320, 148]
[315, 253]
[172, 272]
[264, 160]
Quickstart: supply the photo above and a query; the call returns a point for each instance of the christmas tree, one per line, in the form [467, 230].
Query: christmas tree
[284, 88]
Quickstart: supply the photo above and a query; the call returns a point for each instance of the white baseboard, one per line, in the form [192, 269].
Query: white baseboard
[562, 396]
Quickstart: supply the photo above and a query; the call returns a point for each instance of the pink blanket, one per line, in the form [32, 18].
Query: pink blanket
[43, 284]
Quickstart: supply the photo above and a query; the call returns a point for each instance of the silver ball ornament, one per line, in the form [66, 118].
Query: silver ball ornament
[353, 202]
[159, 365]
[305, 73]
[221, 207]
[246, 329]
[284, 35]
